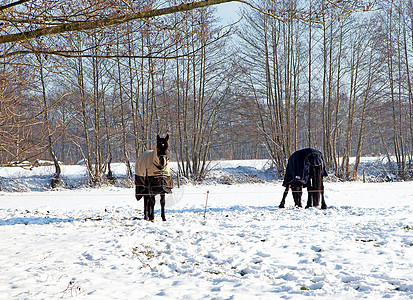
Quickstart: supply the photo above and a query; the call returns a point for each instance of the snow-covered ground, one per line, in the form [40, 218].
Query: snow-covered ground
[93, 243]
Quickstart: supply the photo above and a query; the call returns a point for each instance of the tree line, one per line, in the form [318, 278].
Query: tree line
[342, 85]
[290, 74]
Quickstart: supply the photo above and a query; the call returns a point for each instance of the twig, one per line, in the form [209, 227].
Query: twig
[206, 204]
[144, 263]
[73, 287]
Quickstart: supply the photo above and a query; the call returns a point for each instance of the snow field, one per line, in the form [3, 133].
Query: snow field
[93, 244]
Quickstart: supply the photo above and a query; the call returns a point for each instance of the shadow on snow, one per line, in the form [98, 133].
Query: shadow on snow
[33, 221]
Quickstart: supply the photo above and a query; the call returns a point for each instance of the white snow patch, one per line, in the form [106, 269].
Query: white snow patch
[93, 244]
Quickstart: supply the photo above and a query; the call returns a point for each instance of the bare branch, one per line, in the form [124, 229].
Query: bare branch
[106, 22]
[4, 7]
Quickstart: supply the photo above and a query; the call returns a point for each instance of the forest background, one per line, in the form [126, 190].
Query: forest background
[332, 75]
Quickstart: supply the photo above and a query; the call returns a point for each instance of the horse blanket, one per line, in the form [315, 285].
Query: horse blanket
[150, 177]
[298, 166]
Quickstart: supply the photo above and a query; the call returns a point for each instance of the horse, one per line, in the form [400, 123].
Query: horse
[153, 177]
[305, 168]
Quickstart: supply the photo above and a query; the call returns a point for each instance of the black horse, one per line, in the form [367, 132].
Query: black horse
[305, 168]
[153, 177]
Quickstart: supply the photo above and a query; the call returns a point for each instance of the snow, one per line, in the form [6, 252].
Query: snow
[93, 243]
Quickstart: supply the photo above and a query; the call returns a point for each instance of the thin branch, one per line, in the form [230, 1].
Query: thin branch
[4, 7]
[106, 22]
[79, 53]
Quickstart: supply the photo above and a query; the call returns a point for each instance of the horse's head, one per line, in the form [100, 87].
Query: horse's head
[162, 149]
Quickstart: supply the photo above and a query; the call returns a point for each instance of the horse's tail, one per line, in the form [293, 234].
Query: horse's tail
[316, 174]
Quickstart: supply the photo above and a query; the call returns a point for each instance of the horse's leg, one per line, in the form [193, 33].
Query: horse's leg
[310, 197]
[151, 208]
[311, 188]
[282, 203]
[316, 197]
[300, 195]
[297, 194]
[313, 195]
[163, 207]
[323, 203]
[310, 193]
[317, 185]
[145, 207]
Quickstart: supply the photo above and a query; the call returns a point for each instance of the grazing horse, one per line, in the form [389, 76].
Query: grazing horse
[153, 177]
[305, 168]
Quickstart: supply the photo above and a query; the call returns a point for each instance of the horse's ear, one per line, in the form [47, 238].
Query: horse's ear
[167, 137]
[158, 137]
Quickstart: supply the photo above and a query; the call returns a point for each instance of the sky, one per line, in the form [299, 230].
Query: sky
[228, 12]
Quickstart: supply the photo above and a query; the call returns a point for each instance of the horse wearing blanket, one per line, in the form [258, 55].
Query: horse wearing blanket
[305, 168]
[153, 177]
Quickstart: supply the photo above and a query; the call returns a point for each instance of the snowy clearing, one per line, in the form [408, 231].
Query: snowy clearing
[93, 244]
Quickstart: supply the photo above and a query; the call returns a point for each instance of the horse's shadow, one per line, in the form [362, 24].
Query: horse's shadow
[235, 208]
[33, 221]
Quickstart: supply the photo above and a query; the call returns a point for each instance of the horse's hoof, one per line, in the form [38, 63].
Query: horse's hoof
[281, 206]
[323, 207]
